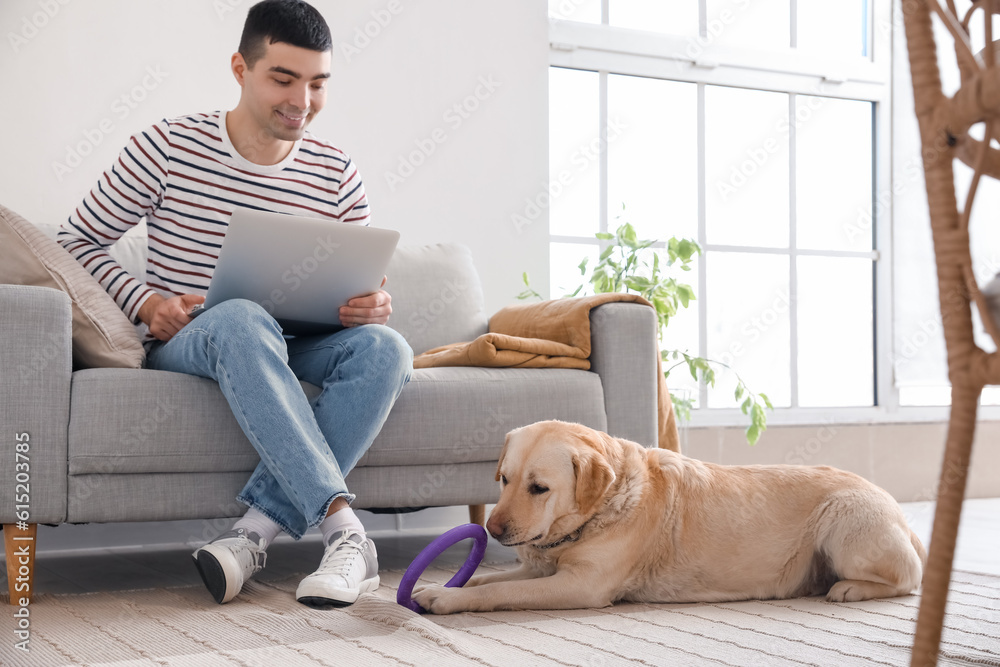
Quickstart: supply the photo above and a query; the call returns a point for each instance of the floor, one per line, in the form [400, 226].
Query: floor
[125, 568]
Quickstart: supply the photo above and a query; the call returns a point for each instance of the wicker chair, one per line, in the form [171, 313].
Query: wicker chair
[944, 134]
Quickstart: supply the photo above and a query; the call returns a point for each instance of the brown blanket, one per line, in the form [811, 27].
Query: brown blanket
[551, 334]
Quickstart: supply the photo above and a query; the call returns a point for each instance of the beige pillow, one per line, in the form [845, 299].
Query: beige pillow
[102, 336]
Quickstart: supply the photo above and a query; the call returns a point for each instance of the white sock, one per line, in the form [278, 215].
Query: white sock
[344, 519]
[259, 523]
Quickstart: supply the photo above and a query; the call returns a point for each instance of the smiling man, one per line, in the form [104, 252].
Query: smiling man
[186, 176]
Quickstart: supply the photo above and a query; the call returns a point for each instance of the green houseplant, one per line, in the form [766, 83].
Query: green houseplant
[624, 266]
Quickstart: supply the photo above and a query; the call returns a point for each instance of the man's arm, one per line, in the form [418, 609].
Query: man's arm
[130, 189]
[352, 202]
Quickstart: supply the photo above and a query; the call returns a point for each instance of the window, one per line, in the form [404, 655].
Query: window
[760, 130]
[919, 362]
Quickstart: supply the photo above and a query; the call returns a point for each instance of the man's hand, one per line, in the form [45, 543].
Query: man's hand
[165, 317]
[373, 308]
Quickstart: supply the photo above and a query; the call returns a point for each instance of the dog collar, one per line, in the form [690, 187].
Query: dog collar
[569, 537]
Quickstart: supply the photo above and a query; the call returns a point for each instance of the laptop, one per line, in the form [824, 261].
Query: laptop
[301, 270]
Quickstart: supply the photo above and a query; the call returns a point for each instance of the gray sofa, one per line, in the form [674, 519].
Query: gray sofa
[109, 445]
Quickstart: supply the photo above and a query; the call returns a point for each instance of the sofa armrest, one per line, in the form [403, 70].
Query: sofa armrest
[36, 366]
[623, 352]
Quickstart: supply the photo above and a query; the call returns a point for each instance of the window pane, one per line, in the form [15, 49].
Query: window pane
[677, 17]
[574, 142]
[748, 325]
[652, 156]
[940, 395]
[564, 271]
[833, 29]
[984, 235]
[746, 167]
[586, 11]
[977, 35]
[758, 24]
[925, 396]
[681, 334]
[833, 173]
[990, 396]
[835, 341]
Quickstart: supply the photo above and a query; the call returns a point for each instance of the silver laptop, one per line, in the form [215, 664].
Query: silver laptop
[301, 270]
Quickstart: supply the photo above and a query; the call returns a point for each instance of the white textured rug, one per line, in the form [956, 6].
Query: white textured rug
[265, 626]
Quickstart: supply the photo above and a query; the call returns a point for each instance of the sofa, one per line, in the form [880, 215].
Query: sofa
[134, 444]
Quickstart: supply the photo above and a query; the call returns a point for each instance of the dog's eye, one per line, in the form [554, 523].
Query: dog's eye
[503, 480]
[537, 489]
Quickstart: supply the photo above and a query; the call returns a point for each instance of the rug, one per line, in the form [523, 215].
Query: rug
[265, 626]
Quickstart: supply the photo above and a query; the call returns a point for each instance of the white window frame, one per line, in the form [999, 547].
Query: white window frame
[607, 49]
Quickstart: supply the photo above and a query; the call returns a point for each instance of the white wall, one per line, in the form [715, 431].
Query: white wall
[82, 81]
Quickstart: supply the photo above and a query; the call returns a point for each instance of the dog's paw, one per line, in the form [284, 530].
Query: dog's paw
[846, 591]
[856, 590]
[436, 599]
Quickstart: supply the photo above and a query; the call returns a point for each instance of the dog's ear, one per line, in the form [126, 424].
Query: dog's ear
[593, 478]
[503, 453]
[607, 445]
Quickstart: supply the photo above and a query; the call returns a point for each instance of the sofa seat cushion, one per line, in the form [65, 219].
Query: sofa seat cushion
[150, 421]
[462, 415]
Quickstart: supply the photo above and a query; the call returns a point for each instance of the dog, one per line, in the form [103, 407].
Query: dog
[597, 519]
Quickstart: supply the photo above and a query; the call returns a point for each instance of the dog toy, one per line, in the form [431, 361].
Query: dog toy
[468, 531]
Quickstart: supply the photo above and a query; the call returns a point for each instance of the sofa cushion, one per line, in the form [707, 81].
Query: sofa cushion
[139, 421]
[102, 335]
[461, 415]
[436, 296]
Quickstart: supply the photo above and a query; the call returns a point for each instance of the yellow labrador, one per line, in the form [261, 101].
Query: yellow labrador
[596, 519]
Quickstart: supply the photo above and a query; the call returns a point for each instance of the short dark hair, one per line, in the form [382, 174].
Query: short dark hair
[290, 21]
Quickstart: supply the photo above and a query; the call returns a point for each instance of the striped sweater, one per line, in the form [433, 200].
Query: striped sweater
[184, 176]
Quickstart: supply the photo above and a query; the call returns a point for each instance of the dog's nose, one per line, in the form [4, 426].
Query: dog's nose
[495, 526]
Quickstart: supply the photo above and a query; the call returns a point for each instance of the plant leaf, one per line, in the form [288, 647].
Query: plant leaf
[626, 235]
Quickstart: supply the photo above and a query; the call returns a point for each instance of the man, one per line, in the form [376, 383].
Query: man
[186, 176]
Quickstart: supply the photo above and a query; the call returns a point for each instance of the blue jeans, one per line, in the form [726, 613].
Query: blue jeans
[306, 447]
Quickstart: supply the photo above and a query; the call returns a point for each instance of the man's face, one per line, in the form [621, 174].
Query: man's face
[286, 89]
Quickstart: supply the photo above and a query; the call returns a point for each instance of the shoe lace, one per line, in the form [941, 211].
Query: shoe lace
[341, 558]
[249, 554]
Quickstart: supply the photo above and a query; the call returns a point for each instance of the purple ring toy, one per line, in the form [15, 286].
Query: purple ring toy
[436, 548]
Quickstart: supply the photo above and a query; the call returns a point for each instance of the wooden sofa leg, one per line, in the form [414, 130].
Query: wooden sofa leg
[477, 514]
[19, 547]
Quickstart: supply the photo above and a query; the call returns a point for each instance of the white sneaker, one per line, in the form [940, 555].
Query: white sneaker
[348, 569]
[229, 560]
